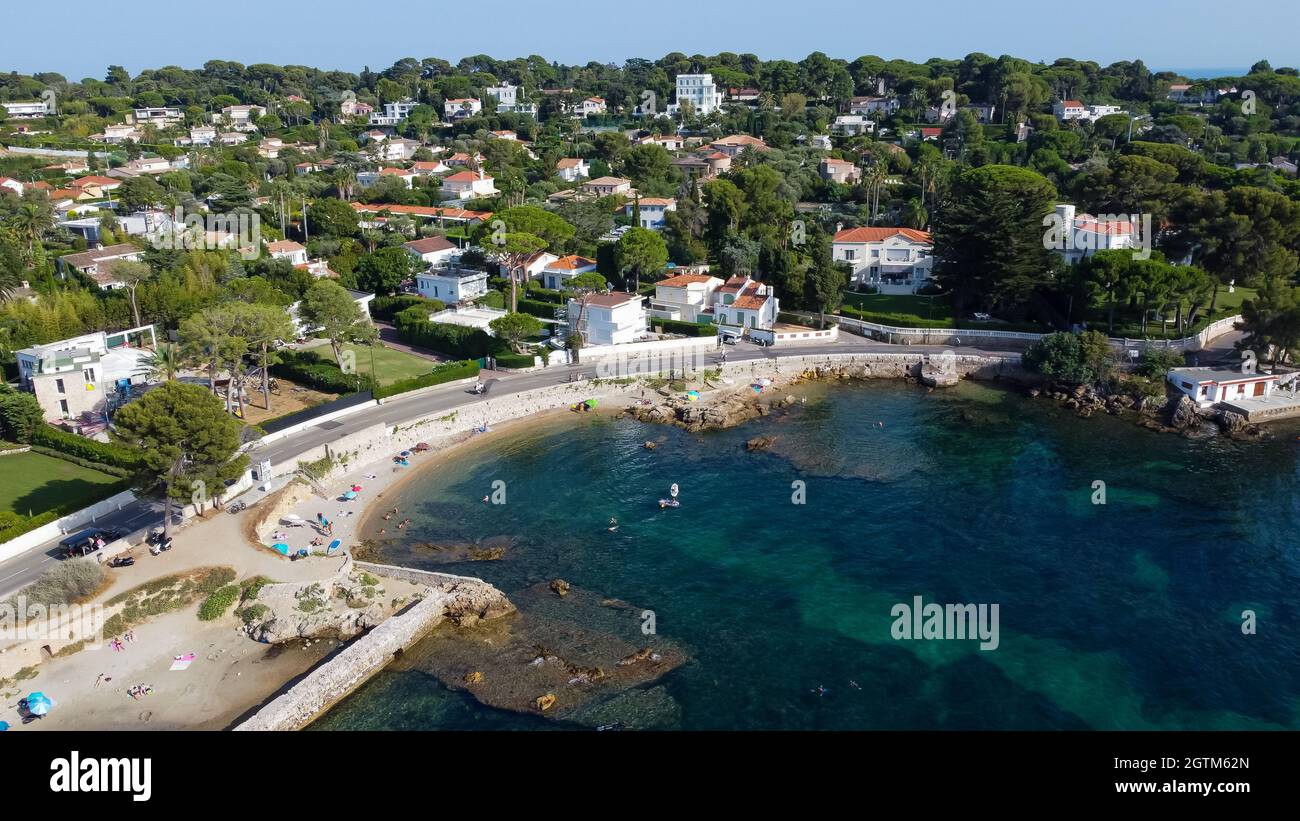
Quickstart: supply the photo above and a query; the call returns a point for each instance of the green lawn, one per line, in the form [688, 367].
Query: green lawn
[34, 483]
[391, 365]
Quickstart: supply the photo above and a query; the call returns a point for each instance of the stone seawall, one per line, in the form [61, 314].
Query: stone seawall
[461, 599]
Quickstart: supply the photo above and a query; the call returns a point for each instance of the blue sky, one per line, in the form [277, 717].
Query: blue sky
[80, 38]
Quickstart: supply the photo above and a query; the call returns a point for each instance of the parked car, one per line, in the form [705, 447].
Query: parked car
[85, 542]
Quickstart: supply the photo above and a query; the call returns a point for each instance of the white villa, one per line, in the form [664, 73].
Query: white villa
[451, 284]
[700, 91]
[609, 319]
[745, 303]
[462, 108]
[850, 125]
[393, 113]
[572, 169]
[466, 185]
[652, 210]
[1075, 237]
[559, 272]
[287, 249]
[432, 250]
[685, 297]
[98, 263]
[83, 374]
[894, 260]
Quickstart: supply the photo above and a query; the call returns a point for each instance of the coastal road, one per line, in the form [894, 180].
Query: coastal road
[21, 570]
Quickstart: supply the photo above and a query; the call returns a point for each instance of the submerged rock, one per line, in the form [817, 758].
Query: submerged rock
[560, 586]
[759, 443]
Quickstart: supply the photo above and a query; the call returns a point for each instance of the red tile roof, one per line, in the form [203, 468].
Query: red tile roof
[866, 234]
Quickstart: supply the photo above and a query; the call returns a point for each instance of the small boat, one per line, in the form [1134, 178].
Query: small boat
[672, 491]
[669, 503]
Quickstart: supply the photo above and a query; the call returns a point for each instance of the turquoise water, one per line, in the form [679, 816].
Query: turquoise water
[1125, 615]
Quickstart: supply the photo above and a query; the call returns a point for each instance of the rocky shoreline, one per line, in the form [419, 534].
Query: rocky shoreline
[1172, 414]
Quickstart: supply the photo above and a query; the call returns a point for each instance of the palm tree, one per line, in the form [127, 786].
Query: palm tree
[164, 363]
[30, 221]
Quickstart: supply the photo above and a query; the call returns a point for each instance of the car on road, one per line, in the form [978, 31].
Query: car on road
[84, 542]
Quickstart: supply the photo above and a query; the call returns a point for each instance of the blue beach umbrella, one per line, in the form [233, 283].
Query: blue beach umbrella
[281, 547]
[4, 725]
[38, 704]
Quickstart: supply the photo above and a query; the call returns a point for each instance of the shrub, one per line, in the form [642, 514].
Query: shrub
[26, 524]
[67, 582]
[492, 299]
[543, 310]
[20, 415]
[1071, 358]
[452, 340]
[216, 604]
[541, 294]
[446, 372]
[1156, 362]
[385, 307]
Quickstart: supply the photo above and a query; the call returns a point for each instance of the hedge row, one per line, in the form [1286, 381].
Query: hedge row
[28, 524]
[305, 368]
[453, 340]
[896, 320]
[447, 372]
[543, 310]
[101, 453]
[111, 470]
[675, 326]
[541, 294]
[384, 307]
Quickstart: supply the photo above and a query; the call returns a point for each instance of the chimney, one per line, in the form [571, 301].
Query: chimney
[839, 226]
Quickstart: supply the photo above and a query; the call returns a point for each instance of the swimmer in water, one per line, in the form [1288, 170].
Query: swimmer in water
[613, 525]
[383, 530]
[821, 690]
[485, 498]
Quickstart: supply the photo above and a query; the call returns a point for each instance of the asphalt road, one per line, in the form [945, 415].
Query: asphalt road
[137, 518]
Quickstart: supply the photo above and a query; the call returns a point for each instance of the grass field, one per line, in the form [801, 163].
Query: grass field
[32, 483]
[390, 365]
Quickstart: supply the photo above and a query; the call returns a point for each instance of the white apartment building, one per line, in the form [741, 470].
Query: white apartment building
[609, 319]
[26, 110]
[893, 260]
[700, 91]
[159, 116]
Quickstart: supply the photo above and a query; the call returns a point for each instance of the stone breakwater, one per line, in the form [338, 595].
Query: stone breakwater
[463, 600]
[733, 405]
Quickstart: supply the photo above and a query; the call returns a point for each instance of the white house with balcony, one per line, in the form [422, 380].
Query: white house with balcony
[653, 210]
[462, 108]
[243, 117]
[26, 110]
[893, 260]
[700, 91]
[452, 284]
[851, 125]
[685, 297]
[745, 303]
[609, 319]
[393, 113]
